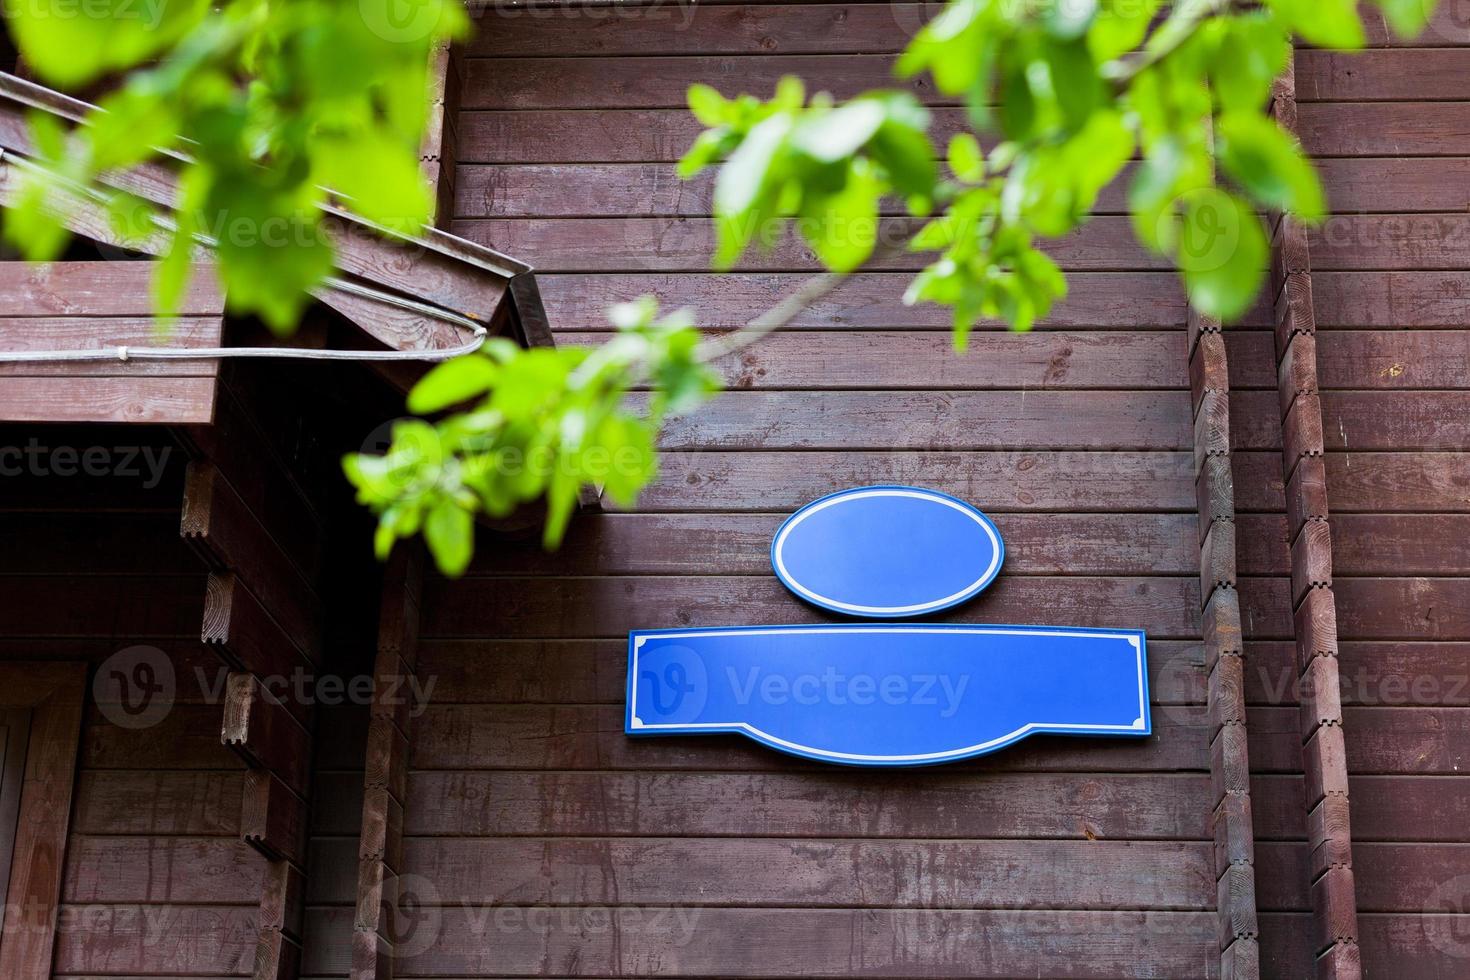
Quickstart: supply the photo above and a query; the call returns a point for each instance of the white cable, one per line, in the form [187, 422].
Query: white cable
[125, 353]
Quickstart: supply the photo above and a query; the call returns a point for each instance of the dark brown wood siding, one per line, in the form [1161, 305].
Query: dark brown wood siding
[1059, 857]
[157, 881]
[1386, 269]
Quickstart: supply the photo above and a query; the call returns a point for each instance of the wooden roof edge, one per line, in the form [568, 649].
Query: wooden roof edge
[512, 276]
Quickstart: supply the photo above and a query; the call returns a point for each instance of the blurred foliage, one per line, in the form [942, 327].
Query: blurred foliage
[281, 99]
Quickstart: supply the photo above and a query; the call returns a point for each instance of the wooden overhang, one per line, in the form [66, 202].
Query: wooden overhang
[420, 293]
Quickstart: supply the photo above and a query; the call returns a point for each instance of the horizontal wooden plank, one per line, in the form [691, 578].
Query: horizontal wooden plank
[96, 289]
[1403, 608]
[119, 606]
[791, 28]
[1390, 299]
[591, 737]
[1364, 544]
[821, 873]
[1381, 740]
[1390, 877]
[832, 803]
[1415, 946]
[1387, 421]
[184, 939]
[601, 607]
[1398, 481]
[588, 190]
[1384, 75]
[1395, 184]
[932, 420]
[814, 942]
[162, 870]
[1400, 544]
[1389, 242]
[158, 802]
[583, 190]
[89, 467]
[1384, 129]
[188, 737]
[134, 399]
[1409, 808]
[93, 542]
[684, 544]
[869, 300]
[110, 332]
[662, 82]
[687, 244]
[910, 359]
[998, 481]
[1393, 359]
[973, 420]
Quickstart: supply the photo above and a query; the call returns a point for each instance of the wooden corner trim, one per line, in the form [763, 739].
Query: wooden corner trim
[1220, 630]
[56, 695]
[1324, 759]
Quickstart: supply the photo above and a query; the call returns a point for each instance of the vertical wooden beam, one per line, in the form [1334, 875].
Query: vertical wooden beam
[386, 769]
[1224, 653]
[1324, 761]
[441, 134]
[55, 694]
[263, 617]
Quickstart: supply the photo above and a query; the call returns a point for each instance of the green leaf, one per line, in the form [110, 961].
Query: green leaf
[1251, 53]
[1119, 27]
[1268, 164]
[453, 382]
[842, 228]
[1222, 253]
[1068, 20]
[708, 105]
[70, 44]
[966, 159]
[744, 187]
[1324, 23]
[449, 529]
[1407, 17]
[377, 176]
[834, 136]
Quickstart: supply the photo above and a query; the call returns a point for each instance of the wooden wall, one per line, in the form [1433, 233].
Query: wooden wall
[1056, 858]
[157, 881]
[1389, 271]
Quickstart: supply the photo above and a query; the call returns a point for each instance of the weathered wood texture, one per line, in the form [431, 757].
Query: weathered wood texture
[380, 934]
[155, 880]
[104, 305]
[1308, 535]
[1079, 437]
[1390, 513]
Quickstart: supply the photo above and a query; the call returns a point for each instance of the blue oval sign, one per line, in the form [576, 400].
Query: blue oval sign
[887, 551]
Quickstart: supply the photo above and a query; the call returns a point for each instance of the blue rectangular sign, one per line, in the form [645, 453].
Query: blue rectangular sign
[888, 694]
